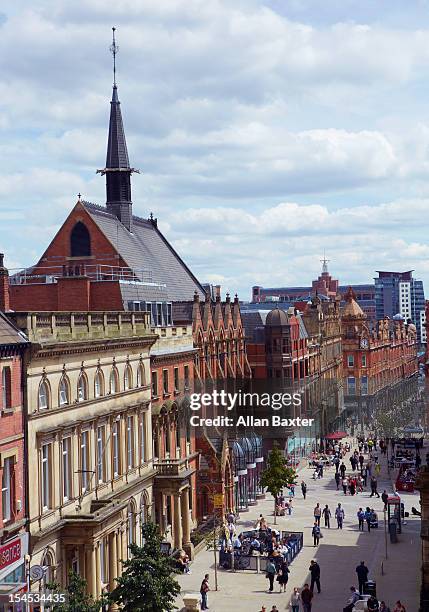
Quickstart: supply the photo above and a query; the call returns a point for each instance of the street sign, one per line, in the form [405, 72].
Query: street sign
[36, 573]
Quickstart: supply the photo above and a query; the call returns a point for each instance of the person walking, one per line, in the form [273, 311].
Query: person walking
[304, 489]
[314, 570]
[317, 513]
[384, 607]
[336, 462]
[362, 573]
[342, 469]
[368, 517]
[340, 516]
[204, 589]
[361, 460]
[327, 516]
[345, 484]
[373, 484]
[306, 597]
[377, 469]
[354, 597]
[384, 498]
[270, 574]
[315, 532]
[295, 600]
[283, 576]
[337, 479]
[361, 518]
[399, 607]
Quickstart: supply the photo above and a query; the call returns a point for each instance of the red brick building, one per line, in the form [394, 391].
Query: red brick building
[13, 537]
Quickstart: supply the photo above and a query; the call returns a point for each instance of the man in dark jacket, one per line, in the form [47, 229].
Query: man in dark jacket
[362, 573]
[385, 497]
[315, 576]
[306, 597]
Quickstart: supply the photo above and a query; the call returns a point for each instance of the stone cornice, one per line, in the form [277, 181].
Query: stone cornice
[76, 347]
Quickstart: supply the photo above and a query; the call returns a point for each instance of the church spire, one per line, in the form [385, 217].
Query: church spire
[118, 171]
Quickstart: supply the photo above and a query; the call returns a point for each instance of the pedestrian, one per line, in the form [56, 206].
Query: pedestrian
[361, 519]
[304, 489]
[306, 597]
[204, 589]
[384, 497]
[384, 607]
[283, 576]
[373, 484]
[315, 532]
[372, 604]
[317, 513]
[327, 516]
[362, 573]
[270, 573]
[263, 609]
[342, 469]
[315, 575]
[418, 461]
[336, 462]
[337, 479]
[354, 597]
[352, 486]
[361, 460]
[368, 517]
[364, 476]
[345, 484]
[377, 469]
[340, 516]
[399, 607]
[295, 600]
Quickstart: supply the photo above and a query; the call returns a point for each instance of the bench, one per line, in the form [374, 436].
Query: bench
[192, 602]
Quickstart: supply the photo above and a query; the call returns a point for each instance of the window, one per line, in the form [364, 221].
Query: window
[140, 376]
[167, 442]
[101, 472]
[165, 381]
[99, 384]
[128, 378]
[186, 377]
[154, 384]
[80, 241]
[364, 385]
[6, 387]
[131, 527]
[130, 442]
[114, 381]
[67, 469]
[46, 476]
[64, 396]
[159, 314]
[176, 380]
[103, 560]
[177, 434]
[6, 490]
[142, 439]
[84, 461]
[169, 315]
[43, 395]
[115, 449]
[351, 385]
[82, 388]
[364, 361]
[350, 361]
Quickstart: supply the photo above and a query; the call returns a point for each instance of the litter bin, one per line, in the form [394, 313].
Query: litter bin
[371, 588]
[393, 532]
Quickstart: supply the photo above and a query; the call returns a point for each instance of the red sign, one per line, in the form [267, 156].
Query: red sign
[10, 553]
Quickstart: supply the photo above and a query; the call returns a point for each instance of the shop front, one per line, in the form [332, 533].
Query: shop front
[12, 571]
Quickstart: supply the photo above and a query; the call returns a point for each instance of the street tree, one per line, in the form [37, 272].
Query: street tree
[276, 475]
[77, 599]
[147, 582]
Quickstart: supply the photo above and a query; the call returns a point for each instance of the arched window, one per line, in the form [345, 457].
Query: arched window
[144, 514]
[99, 384]
[80, 241]
[131, 523]
[167, 439]
[82, 388]
[114, 380]
[128, 378]
[43, 396]
[49, 567]
[64, 391]
[6, 387]
[140, 375]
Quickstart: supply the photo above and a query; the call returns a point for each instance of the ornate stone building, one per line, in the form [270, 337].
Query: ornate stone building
[89, 431]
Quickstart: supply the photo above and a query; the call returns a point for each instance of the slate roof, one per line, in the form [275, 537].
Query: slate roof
[254, 322]
[146, 248]
[9, 334]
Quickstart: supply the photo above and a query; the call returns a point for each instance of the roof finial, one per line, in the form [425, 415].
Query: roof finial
[324, 263]
[114, 50]
[79, 195]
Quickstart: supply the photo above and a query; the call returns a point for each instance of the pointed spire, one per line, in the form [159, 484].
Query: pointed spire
[324, 263]
[117, 170]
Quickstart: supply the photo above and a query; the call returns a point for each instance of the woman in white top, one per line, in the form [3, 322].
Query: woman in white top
[295, 600]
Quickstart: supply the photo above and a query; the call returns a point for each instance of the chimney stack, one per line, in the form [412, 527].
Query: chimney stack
[4, 286]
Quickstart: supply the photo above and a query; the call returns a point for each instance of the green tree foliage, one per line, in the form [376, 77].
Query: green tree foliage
[277, 474]
[147, 583]
[77, 598]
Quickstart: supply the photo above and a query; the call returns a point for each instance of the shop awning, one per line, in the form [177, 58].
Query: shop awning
[337, 435]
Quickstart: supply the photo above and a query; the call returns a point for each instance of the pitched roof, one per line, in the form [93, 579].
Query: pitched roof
[9, 334]
[146, 248]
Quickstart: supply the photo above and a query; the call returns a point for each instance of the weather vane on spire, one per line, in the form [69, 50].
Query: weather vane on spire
[114, 50]
[324, 263]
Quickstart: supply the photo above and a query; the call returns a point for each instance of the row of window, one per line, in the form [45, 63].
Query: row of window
[160, 312]
[6, 388]
[83, 387]
[166, 389]
[351, 385]
[99, 458]
[351, 361]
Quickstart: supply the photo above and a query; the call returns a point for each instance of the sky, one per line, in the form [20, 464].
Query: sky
[266, 133]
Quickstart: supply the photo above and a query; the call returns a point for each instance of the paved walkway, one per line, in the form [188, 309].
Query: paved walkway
[338, 554]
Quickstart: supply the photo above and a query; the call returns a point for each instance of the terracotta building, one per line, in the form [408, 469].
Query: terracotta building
[13, 462]
[89, 433]
[375, 357]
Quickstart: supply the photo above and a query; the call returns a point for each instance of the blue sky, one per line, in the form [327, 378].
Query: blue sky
[266, 133]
